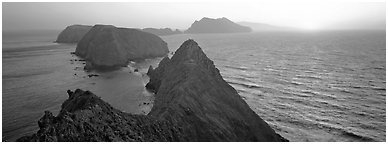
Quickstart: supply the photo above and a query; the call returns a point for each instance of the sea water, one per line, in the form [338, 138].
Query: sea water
[36, 78]
[308, 86]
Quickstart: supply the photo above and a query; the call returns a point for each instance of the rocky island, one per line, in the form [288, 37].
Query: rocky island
[106, 46]
[220, 25]
[162, 31]
[192, 103]
[73, 33]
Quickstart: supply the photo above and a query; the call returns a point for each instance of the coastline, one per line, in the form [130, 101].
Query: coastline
[256, 90]
[46, 83]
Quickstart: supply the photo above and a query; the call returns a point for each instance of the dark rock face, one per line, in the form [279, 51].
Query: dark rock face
[192, 103]
[107, 46]
[220, 25]
[162, 32]
[73, 34]
[190, 90]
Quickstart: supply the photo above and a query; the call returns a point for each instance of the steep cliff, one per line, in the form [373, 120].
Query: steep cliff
[73, 34]
[220, 25]
[192, 103]
[108, 46]
[190, 91]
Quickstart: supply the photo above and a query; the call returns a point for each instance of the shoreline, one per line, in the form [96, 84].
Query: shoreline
[56, 76]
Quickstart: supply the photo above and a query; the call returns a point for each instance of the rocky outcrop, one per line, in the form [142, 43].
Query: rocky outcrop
[73, 34]
[106, 46]
[85, 117]
[220, 25]
[192, 103]
[162, 32]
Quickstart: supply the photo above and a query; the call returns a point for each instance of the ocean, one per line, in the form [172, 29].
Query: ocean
[308, 86]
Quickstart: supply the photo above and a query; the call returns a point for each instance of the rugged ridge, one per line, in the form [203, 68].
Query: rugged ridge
[107, 46]
[73, 33]
[220, 25]
[190, 89]
[192, 103]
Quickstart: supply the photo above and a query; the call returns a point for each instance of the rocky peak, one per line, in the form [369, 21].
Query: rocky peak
[188, 56]
[190, 89]
[79, 100]
[189, 51]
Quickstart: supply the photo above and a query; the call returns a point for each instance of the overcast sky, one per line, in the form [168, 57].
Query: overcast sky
[316, 15]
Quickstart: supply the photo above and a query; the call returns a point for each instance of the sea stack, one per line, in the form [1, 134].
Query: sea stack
[73, 34]
[220, 25]
[106, 46]
[192, 103]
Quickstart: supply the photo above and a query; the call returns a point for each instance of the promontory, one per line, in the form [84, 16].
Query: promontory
[192, 103]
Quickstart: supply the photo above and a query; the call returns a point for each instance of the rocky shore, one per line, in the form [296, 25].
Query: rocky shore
[192, 103]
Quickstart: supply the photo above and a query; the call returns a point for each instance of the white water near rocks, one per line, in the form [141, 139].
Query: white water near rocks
[318, 86]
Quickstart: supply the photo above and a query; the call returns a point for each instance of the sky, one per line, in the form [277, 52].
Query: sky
[314, 15]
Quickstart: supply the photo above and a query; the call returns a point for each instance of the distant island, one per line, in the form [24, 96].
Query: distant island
[106, 46]
[219, 25]
[73, 33]
[192, 103]
[162, 31]
[265, 27]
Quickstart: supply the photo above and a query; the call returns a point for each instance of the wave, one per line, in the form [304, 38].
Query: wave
[357, 136]
[380, 68]
[335, 129]
[245, 85]
[24, 75]
[296, 83]
[236, 68]
[378, 88]
[312, 93]
[309, 77]
[368, 87]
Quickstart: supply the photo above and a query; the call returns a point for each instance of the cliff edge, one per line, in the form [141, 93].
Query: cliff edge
[192, 103]
[73, 33]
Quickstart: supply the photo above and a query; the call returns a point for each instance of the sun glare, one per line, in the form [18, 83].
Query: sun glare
[309, 26]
